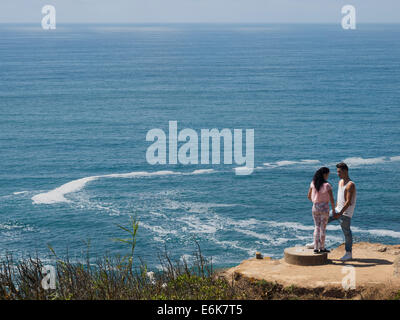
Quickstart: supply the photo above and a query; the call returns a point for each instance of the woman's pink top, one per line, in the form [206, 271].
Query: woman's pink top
[322, 195]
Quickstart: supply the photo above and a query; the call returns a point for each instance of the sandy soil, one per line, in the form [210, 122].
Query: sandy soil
[375, 265]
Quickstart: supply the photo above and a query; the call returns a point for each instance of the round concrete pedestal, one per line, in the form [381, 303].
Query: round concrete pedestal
[305, 257]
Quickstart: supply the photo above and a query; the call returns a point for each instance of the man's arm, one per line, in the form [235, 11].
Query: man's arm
[348, 196]
[309, 194]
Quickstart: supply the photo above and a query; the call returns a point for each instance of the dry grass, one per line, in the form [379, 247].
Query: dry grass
[122, 278]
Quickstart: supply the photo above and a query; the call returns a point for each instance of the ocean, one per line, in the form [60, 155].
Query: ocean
[77, 102]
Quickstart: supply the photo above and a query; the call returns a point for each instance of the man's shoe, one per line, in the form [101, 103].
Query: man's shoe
[347, 256]
[316, 251]
[310, 245]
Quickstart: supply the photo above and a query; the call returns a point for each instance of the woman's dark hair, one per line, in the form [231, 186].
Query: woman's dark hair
[318, 178]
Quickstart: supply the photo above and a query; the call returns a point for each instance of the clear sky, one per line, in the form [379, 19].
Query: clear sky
[213, 11]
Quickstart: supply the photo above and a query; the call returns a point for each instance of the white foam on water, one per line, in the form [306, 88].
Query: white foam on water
[202, 171]
[299, 226]
[57, 195]
[331, 240]
[199, 226]
[194, 207]
[158, 214]
[157, 229]
[171, 204]
[290, 225]
[379, 232]
[83, 201]
[203, 207]
[243, 170]
[357, 161]
[351, 161]
[139, 174]
[310, 161]
[268, 164]
[283, 163]
[15, 226]
[234, 244]
[20, 192]
[243, 223]
[333, 227]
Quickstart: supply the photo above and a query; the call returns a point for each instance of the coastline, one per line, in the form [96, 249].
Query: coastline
[375, 268]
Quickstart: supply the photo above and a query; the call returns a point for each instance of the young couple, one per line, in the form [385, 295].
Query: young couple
[320, 193]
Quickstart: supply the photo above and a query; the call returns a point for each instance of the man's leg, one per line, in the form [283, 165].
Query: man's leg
[348, 236]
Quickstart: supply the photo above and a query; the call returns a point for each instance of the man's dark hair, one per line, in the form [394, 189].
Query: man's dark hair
[342, 166]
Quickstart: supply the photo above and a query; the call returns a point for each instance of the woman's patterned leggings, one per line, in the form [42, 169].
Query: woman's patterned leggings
[320, 221]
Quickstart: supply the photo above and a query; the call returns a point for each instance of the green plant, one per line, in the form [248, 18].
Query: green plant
[132, 231]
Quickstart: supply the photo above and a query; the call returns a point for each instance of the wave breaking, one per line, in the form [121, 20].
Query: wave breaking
[57, 195]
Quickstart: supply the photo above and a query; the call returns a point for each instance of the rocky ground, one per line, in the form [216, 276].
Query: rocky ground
[375, 268]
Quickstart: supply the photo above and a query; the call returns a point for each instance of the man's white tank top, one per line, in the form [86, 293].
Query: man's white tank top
[341, 201]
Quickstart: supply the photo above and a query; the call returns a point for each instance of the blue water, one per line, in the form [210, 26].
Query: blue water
[77, 102]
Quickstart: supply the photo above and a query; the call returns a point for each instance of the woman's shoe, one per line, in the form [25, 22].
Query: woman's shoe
[325, 250]
[316, 251]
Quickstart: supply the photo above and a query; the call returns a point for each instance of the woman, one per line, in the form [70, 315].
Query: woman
[320, 193]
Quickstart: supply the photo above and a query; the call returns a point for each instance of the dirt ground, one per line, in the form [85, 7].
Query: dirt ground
[375, 266]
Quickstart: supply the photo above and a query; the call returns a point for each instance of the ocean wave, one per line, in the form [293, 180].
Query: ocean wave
[19, 192]
[357, 161]
[192, 207]
[243, 171]
[301, 227]
[83, 201]
[15, 225]
[202, 171]
[235, 245]
[57, 195]
[199, 226]
[157, 229]
[350, 161]
[290, 162]
[289, 225]
[379, 232]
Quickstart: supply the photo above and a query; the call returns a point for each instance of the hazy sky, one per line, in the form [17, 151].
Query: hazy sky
[139, 11]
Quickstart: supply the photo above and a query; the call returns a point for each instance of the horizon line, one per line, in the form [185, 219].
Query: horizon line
[218, 22]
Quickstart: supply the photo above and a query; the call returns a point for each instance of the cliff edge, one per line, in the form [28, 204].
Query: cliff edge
[375, 265]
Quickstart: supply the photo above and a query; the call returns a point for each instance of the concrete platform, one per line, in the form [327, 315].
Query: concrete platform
[375, 265]
[302, 256]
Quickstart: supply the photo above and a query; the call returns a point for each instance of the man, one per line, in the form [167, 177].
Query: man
[345, 204]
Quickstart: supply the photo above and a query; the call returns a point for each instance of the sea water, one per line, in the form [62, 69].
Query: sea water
[76, 104]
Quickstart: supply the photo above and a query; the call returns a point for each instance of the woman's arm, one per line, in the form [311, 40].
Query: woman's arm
[309, 194]
[332, 200]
